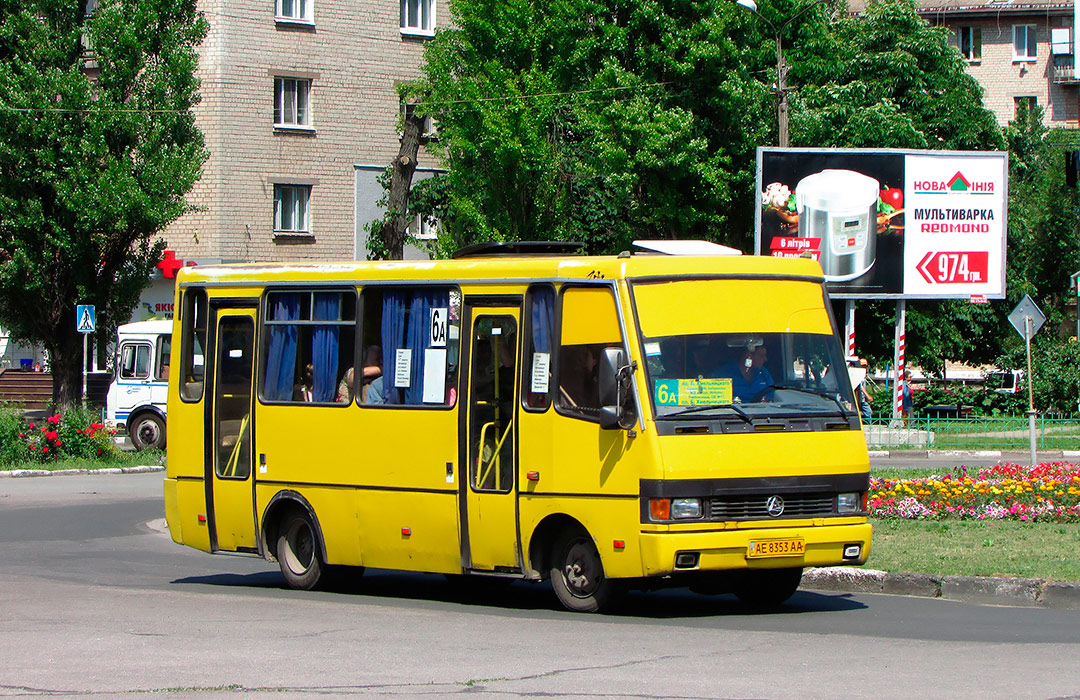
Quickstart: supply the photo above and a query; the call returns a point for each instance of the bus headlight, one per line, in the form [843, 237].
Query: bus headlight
[847, 503]
[685, 508]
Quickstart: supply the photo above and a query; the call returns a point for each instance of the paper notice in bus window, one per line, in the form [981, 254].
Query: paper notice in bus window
[403, 368]
[434, 375]
[540, 366]
[652, 349]
[692, 392]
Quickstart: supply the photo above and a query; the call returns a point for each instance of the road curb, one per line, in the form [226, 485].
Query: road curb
[22, 473]
[987, 590]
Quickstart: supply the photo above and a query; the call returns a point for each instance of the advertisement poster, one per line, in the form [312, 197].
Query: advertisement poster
[888, 223]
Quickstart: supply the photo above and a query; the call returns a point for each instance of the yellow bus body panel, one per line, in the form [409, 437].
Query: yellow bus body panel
[377, 478]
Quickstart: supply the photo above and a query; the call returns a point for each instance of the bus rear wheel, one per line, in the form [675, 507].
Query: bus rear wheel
[577, 574]
[767, 588]
[298, 552]
[148, 432]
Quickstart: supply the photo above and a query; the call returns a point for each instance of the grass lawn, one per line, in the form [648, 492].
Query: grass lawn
[119, 460]
[977, 548]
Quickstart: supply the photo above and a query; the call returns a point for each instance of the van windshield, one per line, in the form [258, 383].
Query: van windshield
[759, 374]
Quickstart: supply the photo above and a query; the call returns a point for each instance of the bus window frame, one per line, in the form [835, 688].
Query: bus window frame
[134, 345]
[187, 337]
[527, 346]
[612, 288]
[450, 285]
[264, 335]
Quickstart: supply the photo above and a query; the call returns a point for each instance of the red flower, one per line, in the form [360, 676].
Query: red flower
[54, 419]
[44, 449]
[52, 435]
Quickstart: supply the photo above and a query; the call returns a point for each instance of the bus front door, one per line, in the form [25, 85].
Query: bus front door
[232, 518]
[489, 510]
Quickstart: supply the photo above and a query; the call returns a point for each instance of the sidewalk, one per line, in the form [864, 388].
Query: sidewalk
[985, 590]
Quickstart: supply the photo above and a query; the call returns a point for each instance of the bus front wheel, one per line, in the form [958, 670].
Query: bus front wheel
[577, 574]
[148, 432]
[298, 552]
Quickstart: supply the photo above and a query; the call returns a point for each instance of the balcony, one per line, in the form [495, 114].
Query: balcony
[1065, 75]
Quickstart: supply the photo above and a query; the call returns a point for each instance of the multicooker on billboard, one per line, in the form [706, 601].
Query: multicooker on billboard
[888, 223]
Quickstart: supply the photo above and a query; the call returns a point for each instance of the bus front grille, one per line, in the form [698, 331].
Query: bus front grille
[802, 505]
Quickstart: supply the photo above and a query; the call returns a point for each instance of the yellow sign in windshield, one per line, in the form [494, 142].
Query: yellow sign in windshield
[692, 392]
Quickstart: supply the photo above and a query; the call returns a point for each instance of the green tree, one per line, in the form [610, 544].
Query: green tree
[594, 120]
[98, 147]
[887, 78]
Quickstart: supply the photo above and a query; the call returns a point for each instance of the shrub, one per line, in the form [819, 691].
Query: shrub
[75, 434]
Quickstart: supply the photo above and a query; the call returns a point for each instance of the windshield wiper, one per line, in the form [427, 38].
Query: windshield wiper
[843, 411]
[698, 409]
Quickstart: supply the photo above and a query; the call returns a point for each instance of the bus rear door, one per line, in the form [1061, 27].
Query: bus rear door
[229, 459]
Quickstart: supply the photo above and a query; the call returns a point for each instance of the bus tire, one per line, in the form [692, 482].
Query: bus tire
[148, 432]
[298, 552]
[767, 588]
[577, 574]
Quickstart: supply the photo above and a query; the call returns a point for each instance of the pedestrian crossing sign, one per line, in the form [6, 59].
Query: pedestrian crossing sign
[85, 318]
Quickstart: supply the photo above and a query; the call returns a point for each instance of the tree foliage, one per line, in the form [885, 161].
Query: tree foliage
[609, 120]
[594, 120]
[98, 147]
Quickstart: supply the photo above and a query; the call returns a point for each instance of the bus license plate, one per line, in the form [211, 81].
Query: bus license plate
[775, 548]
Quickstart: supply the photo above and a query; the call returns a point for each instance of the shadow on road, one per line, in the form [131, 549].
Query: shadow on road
[524, 596]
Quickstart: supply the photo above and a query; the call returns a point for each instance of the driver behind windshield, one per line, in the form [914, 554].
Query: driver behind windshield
[750, 379]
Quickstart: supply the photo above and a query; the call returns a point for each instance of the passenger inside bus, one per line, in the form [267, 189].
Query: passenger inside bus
[750, 379]
[304, 389]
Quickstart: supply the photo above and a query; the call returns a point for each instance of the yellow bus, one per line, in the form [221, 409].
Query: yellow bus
[520, 412]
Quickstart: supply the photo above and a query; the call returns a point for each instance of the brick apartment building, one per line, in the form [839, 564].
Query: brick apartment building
[1019, 51]
[300, 113]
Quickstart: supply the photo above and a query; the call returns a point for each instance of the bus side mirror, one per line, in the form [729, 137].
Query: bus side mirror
[616, 403]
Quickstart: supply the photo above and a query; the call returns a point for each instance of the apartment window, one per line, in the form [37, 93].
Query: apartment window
[291, 208]
[1024, 106]
[424, 228]
[292, 10]
[1024, 42]
[969, 40]
[418, 16]
[291, 102]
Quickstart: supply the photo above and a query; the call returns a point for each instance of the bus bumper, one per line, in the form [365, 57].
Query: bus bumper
[825, 545]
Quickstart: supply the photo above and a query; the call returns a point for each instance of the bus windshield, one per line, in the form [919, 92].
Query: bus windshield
[759, 373]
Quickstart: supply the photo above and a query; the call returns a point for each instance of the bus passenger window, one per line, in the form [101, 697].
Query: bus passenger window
[193, 342]
[539, 343]
[412, 334]
[589, 324]
[308, 345]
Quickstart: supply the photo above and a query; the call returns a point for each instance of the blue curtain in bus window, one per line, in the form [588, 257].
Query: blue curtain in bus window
[423, 301]
[393, 337]
[324, 346]
[543, 318]
[281, 353]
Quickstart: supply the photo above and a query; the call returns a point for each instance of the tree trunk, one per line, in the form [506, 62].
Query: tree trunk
[394, 229]
[66, 365]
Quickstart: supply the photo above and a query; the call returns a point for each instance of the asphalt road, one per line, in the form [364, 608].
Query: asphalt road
[95, 603]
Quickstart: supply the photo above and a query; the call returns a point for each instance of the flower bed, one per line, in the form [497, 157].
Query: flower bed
[73, 434]
[1047, 492]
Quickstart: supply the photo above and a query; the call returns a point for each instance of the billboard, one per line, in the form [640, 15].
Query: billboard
[888, 223]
